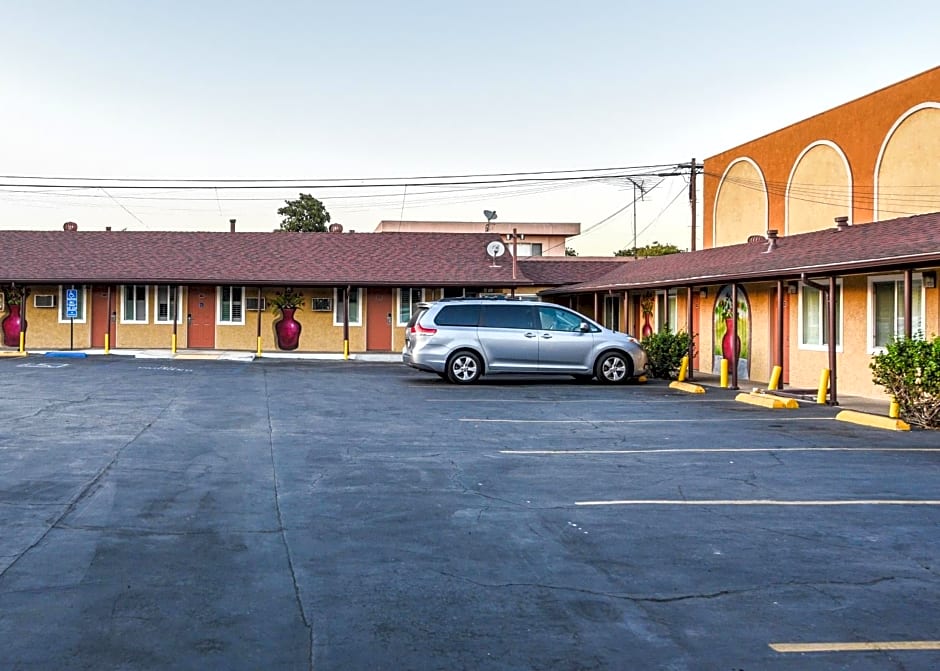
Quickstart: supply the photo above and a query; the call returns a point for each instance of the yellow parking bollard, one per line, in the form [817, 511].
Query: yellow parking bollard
[259, 346]
[894, 410]
[107, 343]
[775, 378]
[724, 373]
[823, 386]
[173, 343]
[684, 368]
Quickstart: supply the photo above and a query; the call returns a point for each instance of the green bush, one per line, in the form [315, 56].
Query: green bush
[909, 370]
[665, 351]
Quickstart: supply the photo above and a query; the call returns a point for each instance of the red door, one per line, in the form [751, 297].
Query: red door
[101, 316]
[379, 315]
[201, 317]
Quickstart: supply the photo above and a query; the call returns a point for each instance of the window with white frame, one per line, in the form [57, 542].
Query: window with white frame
[814, 318]
[231, 305]
[168, 304]
[667, 312]
[355, 313]
[612, 312]
[134, 304]
[80, 318]
[408, 299]
[887, 309]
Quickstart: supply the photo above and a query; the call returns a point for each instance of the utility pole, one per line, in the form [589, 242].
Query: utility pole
[642, 193]
[693, 172]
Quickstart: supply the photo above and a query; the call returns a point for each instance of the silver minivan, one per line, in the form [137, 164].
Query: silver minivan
[463, 339]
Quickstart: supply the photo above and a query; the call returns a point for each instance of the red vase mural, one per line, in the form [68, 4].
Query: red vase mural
[646, 308]
[288, 330]
[729, 351]
[11, 327]
[732, 345]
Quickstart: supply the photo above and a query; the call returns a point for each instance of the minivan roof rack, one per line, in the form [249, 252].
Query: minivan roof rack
[485, 297]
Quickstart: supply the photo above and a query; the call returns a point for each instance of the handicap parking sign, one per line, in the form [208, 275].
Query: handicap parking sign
[71, 303]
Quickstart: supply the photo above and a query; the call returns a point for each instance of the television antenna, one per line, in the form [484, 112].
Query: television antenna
[490, 216]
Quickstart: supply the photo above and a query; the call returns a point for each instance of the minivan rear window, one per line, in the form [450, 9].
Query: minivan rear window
[458, 315]
[416, 315]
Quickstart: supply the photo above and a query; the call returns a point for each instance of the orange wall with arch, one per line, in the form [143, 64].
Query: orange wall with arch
[898, 125]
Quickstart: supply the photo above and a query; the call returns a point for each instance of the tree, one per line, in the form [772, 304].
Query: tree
[654, 249]
[570, 251]
[306, 214]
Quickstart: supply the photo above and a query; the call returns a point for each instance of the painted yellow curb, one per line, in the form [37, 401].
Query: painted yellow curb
[765, 401]
[12, 354]
[875, 421]
[688, 387]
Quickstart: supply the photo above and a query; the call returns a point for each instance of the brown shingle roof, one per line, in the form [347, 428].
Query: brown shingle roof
[881, 246]
[401, 259]
[555, 270]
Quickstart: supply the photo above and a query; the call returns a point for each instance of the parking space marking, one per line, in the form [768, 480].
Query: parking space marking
[706, 450]
[618, 401]
[855, 647]
[759, 502]
[776, 419]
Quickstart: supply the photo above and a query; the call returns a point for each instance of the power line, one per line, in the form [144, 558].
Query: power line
[338, 179]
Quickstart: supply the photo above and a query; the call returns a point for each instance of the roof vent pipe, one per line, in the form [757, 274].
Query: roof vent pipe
[231, 224]
[771, 240]
[842, 223]
[70, 226]
[107, 228]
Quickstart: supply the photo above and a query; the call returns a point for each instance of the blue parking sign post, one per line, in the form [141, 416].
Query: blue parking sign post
[71, 313]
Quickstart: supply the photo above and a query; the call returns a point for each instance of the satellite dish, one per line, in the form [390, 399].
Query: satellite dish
[489, 214]
[495, 248]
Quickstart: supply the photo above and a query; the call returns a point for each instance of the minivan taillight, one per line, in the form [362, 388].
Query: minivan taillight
[417, 328]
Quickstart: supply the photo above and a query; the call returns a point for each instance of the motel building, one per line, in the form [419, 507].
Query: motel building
[822, 244]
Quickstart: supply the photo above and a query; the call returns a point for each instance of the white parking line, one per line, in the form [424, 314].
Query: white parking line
[706, 450]
[759, 502]
[725, 420]
[618, 401]
[855, 646]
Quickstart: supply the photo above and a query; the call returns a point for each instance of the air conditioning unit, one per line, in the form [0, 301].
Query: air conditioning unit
[44, 300]
[252, 304]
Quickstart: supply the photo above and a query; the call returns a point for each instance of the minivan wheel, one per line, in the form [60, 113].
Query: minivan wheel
[613, 368]
[464, 368]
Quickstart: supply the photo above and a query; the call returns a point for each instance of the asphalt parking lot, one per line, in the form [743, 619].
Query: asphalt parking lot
[337, 516]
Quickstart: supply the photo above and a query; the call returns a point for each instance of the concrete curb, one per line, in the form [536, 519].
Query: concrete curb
[687, 387]
[13, 354]
[874, 421]
[766, 401]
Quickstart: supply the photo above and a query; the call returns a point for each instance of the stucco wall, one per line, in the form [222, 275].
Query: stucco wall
[818, 190]
[909, 171]
[742, 199]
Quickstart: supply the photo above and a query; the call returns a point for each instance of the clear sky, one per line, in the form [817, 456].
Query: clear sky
[317, 90]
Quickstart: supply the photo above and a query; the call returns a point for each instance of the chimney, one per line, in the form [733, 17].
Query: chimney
[842, 223]
[771, 240]
[231, 224]
[107, 228]
[70, 226]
